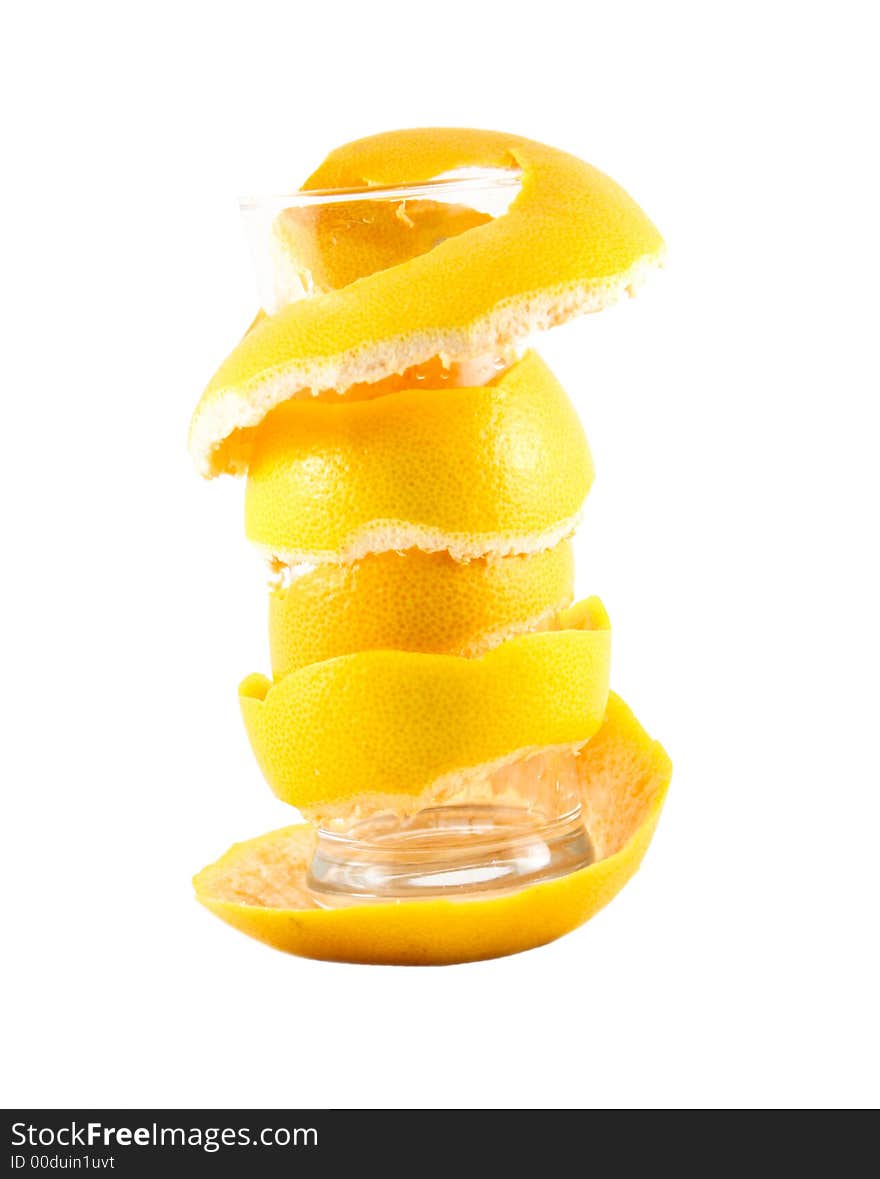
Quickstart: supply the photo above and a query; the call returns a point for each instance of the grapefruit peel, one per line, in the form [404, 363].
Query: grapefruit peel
[572, 241]
[259, 886]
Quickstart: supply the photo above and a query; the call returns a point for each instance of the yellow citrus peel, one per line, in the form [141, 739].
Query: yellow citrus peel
[324, 247]
[571, 241]
[259, 886]
[497, 469]
[393, 440]
[387, 727]
[416, 601]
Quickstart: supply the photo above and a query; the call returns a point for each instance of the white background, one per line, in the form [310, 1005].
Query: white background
[732, 532]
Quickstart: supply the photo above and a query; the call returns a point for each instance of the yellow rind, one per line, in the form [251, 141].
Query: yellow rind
[416, 601]
[625, 776]
[497, 469]
[324, 247]
[385, 726]
[572, 241]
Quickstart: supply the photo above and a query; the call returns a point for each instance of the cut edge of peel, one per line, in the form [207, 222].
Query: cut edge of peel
[585, 615]
[302, 838]
[384, 536]
[483, 642]
[441, 792]
[241, 887]
[242, 408]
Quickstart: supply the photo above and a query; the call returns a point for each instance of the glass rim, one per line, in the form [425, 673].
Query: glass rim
[482, 180]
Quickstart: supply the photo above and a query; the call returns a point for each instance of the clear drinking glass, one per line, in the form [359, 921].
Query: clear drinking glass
[493, 830]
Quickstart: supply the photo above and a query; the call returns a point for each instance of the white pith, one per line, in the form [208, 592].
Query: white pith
[243, 407]
[384, 536]
[443, 791]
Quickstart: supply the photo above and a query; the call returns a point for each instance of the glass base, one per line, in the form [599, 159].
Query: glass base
[457, 852]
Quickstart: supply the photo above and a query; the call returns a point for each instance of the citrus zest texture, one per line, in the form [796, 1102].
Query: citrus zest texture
[259, 886]
[413, 478]
[416, 601]
[497, 469]
[383, 727]
[324, 247]
[571, 241]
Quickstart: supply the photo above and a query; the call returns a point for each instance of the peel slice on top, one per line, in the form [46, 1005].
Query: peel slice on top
[571, 241]
[392, 729]
[416, 601]
[259, 886]
[498, 469]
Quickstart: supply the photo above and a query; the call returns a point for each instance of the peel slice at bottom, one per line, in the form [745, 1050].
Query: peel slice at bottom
[259, 886]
